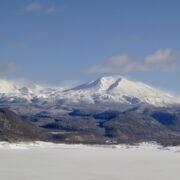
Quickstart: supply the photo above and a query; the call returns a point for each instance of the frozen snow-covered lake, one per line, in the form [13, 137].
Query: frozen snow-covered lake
[45, 161]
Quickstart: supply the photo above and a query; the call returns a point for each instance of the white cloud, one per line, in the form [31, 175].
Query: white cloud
[99, 69]
[34, 7]
[161, 60]
[17, 46]
[50, 10]
[134, 67]
[118, 60]
[160, 56]
[9, 68]
[110, 65]
[39, 7]
[69, 83]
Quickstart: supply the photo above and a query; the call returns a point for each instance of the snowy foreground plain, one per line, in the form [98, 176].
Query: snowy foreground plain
[47, 161]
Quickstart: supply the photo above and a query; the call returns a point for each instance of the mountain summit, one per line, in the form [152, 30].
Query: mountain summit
[121, 90]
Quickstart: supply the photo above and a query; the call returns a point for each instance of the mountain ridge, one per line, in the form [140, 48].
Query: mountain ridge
[107, 89]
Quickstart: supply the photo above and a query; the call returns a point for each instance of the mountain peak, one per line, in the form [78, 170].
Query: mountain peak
[101, 84]
[117, 89]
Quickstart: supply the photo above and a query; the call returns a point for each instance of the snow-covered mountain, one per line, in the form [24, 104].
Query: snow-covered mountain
[15, 90]
[110, 89]
[119, 90]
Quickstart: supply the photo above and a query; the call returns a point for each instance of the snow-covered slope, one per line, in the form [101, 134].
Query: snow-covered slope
[13, 89]
[110, 89]
[45, 161]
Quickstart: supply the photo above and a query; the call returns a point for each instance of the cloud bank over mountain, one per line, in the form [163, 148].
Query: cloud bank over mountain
[162, 60]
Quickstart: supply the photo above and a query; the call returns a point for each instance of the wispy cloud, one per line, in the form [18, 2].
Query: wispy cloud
[160, 56]
[9, 68]
[160, 60]
[37, 7]
[118, 60]
[69, 83]
[17, 46]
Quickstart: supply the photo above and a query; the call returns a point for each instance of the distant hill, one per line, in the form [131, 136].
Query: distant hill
[13, 128]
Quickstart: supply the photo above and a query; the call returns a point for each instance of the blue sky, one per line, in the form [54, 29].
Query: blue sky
[73, 41]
